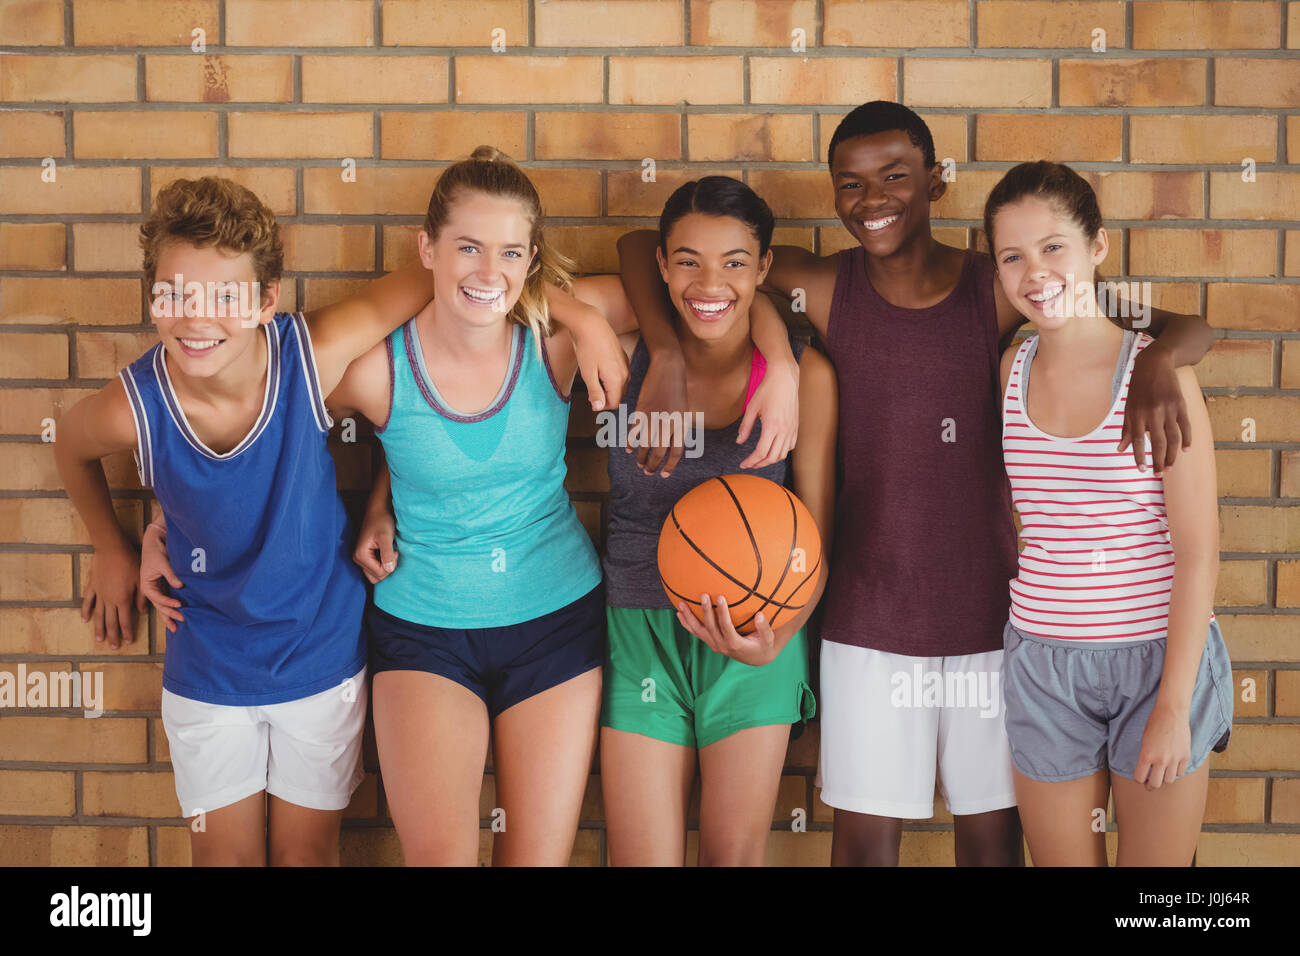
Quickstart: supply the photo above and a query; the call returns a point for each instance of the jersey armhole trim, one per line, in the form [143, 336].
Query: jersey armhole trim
[392, 385]
[550, 373]
[143, 437]
[311, 373]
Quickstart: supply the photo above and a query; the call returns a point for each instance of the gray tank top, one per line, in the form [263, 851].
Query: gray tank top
[639, 503]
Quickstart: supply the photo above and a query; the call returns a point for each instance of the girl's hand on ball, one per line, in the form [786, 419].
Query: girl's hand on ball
[717, 631]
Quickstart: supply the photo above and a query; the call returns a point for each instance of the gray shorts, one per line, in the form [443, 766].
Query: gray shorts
[1074, 707]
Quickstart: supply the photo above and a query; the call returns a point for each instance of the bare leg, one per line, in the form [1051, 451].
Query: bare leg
[432, 736]
[1160, 827]
[301, 836]
[864, 839]
[993, 838]
[740, 776]
[235, 835]
[1061, 820]
[544, 748]
[646, 784]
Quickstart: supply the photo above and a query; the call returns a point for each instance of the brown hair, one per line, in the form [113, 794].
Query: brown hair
[213, 211]
[490, 171]
[1067, 191]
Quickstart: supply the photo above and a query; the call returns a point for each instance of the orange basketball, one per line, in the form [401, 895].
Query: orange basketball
[745, 538]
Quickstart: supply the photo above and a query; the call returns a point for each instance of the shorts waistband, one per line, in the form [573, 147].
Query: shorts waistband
[1083, 645]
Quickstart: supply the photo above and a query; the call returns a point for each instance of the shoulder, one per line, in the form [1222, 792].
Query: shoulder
[1008, 360]
[816, 373]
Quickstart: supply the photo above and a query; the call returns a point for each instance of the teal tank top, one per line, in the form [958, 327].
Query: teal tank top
[486, 534]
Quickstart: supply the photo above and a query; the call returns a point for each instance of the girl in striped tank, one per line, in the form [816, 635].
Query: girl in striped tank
[1115, 675]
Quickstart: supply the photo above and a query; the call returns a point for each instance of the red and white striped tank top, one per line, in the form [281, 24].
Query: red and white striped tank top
[1097, 562]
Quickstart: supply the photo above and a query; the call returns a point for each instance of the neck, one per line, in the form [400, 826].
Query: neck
[458, 339]
[233, 383]
[917, 257]
[1080, 338]
[714, 357]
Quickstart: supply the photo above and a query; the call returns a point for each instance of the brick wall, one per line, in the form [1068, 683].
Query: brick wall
[112, 100]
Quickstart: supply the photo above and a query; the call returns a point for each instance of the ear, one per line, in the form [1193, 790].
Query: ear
[937, 184]
[1100, 246]
[270, 299]
[663, 263]
[533, 262]
[424, 245]
[764, 264]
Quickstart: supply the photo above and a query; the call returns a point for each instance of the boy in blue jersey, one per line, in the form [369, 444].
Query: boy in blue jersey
[264, 691]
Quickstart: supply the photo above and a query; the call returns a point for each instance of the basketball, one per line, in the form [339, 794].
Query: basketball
[747, 539]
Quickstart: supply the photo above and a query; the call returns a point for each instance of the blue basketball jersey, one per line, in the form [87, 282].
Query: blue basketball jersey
[272, 601]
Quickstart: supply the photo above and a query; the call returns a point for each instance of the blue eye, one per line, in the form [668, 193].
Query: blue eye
[1054, 245]
[1010, 258]
[513, 252]
[469, 248]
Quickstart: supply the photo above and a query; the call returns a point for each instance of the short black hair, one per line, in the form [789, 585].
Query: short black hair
[882, 116]
[719, 196]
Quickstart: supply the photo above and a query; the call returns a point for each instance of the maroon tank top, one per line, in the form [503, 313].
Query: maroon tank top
[924, 540]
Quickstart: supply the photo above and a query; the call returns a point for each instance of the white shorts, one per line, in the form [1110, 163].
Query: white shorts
[306, 752]
[889, 722]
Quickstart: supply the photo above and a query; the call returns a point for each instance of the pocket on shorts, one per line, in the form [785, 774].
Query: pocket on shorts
[1219, 667]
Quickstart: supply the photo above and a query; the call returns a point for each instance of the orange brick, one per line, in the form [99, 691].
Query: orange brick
[55, 520]
[743, 23]
[1188, 138]
[1293, 25]
[568, 192]
[1260, 637]
[399, 246]
[795, 194]
[449, 135]
[624, 23]
[420, 23]
[400, 191]
[1290, 474]
[608, 136]
[1293, 136]
[1288, 692]
[982, 82]
[1271, 196]
[25, 410]
[106, 246]
[1146, 196]
[102, 354]
[1288, 581]
[1206, 26]
[629, 195]
[1074, 138]
[31, 133]
[299, 23]
[749, 137]
[374, 79]
[273, 185]
[947, 129]
[121, 794]
[896, 23]
[1241, 584]
[1163, 82]
[1247, 527]
[39, 355]
[1256, 306]
[31, 22]
[76, 189]
[132, 686]
[1237, 363]
[1293, 247]
[301, 135]
[1253, 684]
[1286, 801]
[35, 577]
[1261, 747]
[663, 80]
[1290, 364]
[1257, 82]
[143, 22]
[37, 793]
[321, 292]
[34, 245]
[1235, 800]
[328, 248]
[1207, 252]
[74, 845]
[40, 301]
[67, 79]
[828, 81]
[964, 198]
[528, 79]
[1047, 23]
[121, 135]
[191, 78]
[594, 247]
[1184, 297]
[1243, 472]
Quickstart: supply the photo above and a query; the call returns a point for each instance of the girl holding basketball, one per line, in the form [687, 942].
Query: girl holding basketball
[678, 686]
[1115, 674]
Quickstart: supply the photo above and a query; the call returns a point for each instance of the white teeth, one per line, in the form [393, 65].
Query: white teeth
[710, 307]
[1049, 292]
[874, 224]
[482, 296]
[199, 343]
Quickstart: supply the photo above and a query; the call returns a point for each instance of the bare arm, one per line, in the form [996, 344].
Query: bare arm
[98, 426]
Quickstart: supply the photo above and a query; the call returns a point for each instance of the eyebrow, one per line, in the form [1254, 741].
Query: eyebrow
[729, 252]
[853, 175]
[479, 242]
[1055, 235]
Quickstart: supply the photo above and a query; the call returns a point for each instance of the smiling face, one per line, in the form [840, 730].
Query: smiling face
[883, 190]
[205, 304]
[480, 258]
[1045, 262]
[712, 268]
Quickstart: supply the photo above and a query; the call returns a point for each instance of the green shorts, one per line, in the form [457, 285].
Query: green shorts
[665, 683]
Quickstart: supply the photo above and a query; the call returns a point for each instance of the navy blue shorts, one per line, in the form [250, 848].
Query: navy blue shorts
[502, 665]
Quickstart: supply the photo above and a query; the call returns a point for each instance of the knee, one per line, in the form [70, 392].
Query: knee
[733, 849]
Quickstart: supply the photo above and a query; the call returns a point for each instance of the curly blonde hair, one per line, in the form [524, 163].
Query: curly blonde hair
[212, 211]
[490, 171]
